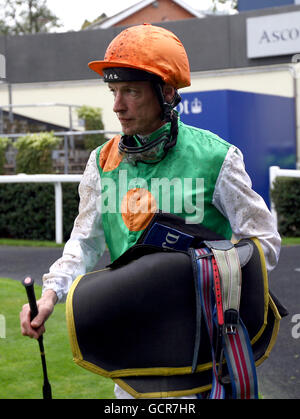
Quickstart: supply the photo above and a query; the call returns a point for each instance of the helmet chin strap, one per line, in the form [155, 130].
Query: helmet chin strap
[168, 113]
[167, 108]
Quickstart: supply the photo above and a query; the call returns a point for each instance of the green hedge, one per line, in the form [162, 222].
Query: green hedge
[27, 211]
[4, 143]
[286, 196]
[92, 118]
[34, 152]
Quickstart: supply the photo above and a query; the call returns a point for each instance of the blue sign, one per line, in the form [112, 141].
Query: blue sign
[261, 126]
[200, 109]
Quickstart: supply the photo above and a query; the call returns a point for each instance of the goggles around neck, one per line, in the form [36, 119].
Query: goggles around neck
[151, 150]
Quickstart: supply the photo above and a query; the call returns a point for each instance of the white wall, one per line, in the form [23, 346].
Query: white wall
[272, 80]
[92, 93]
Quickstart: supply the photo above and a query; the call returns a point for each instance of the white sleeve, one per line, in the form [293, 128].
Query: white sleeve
[87, 242]
[246, 210]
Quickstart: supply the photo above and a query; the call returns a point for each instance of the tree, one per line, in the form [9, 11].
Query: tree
[92, 118]
[4, 143]
[232, 4]
[20, 17]
[35, 152]
[87, 23]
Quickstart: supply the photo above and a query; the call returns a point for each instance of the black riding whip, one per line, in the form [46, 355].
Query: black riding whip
[29, 286]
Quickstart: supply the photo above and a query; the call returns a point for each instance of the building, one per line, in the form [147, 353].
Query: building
[245, 80]
[150, 11]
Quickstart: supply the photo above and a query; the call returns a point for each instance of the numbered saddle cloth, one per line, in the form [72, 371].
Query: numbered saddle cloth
[136, 321]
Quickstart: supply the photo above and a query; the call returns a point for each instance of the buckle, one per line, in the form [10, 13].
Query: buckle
[230, 329]
[231, 318]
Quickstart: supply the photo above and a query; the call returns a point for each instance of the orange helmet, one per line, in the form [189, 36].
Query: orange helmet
[151, 49]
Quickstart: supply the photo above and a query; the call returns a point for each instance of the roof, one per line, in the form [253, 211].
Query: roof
[113, 20]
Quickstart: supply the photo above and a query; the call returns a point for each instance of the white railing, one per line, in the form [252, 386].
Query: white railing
[275, 172]
[57, 180]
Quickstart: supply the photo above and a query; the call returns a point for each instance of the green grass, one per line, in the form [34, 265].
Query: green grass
[20, 362]
[290, 241]
[32, 243]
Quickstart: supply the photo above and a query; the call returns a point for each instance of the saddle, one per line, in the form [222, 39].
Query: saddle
[144, 322]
